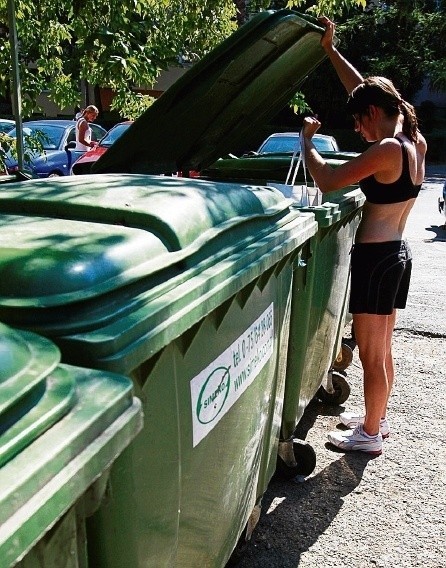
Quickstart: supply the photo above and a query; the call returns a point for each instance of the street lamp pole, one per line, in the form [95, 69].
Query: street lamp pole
[16, 87]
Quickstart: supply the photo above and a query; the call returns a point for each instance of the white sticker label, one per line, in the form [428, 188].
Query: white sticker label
[218, 387]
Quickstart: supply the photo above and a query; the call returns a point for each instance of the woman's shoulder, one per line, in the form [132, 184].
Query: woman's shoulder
[387, 148]
[393, 141]
[390, 148]
[421, 142]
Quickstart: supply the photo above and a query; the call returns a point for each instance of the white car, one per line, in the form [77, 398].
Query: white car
[287, 142]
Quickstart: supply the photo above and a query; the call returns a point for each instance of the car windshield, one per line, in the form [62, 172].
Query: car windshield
[113, 134]
[5, 127]
[50, 136]
[280, 144]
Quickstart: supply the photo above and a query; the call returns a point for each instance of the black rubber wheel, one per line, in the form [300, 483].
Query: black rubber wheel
[305, 461]
[341, 390]
[344, 358]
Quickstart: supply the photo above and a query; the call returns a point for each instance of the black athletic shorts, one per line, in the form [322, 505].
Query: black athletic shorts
[380, 277]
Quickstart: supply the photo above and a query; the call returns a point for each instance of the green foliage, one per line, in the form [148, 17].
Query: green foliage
[403, 40]
[118, 44]
[32, 145]
[329, 8]
[7, 145]
[258, 5]
[299, 104]
[133, 103]
[392, 41]
[437, 74]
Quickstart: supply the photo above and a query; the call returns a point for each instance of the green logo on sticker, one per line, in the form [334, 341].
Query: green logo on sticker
[213, 395]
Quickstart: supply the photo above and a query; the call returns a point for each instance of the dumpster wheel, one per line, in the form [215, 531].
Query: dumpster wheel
[303, 464]
[344, 358]
[339, 392]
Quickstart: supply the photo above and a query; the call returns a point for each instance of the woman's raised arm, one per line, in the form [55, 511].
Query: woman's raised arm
[348, 75]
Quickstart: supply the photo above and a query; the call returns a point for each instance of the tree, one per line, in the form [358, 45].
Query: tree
[400, 39]
[124, 44]
[121, 44]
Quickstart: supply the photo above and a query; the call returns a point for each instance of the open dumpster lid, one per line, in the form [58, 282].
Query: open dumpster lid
[239, 85]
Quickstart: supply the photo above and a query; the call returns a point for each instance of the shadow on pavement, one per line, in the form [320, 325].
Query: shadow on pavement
[305, 509]
[314, 409]
[439, 233]
[308, 509]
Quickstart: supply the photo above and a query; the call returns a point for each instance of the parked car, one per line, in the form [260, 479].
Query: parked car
[271, 162]
[281, 142]
[58, 140]
[6, 125]
[83, 164]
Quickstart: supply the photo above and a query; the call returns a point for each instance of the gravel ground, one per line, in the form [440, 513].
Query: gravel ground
[357, 511]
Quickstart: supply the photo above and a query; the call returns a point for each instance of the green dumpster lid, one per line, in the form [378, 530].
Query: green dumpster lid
[25, 360]
[32, 397]
[35, 413]
[239, 85]
[68, 240]
[84, 251]
[42, 482]
[263, 167]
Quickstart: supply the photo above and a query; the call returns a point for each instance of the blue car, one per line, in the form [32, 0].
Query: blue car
[58, 139]
[6, 125]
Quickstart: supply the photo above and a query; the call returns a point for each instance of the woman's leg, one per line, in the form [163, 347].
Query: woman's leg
[373, 336]
[390, 370]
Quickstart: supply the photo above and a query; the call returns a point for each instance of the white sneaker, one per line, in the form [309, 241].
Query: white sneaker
[352, 419]
[357, 440]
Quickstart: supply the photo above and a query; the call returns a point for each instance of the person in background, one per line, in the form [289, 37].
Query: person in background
[83, 130]
[77, 112]
[390, 173]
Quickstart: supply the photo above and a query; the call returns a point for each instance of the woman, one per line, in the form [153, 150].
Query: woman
[390, 174]
[83, 130]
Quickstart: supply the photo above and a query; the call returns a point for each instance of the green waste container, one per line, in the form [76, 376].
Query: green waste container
[61, 428]
[319, 312]
[320, 298]
[318, 315]
[226, 98]
[173, 282]
[264, 168]
[319, 302]
[184, 286]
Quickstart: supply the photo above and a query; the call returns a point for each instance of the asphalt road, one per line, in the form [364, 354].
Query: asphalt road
[426, 235]
[356, 511]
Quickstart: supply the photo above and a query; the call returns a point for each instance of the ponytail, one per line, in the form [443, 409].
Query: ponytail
[410, 124]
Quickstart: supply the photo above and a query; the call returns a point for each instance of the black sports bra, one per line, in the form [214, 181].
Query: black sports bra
[402, 189]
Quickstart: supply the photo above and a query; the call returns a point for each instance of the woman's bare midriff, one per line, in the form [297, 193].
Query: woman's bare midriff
[380, 223]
